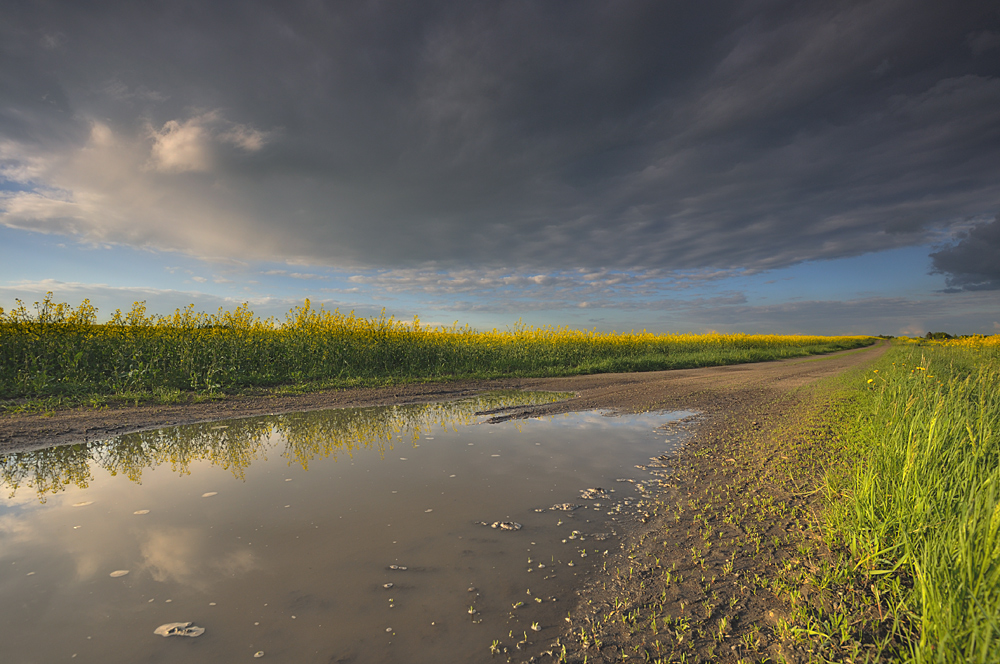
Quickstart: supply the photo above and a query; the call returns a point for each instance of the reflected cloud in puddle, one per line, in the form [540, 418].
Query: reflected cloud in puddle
[184, 556]
[313, 568]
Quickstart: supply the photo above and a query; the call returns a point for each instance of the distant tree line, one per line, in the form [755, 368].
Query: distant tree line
[934, 335]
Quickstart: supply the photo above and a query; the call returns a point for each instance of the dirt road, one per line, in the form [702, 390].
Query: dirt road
[709, 390]
[706, 572]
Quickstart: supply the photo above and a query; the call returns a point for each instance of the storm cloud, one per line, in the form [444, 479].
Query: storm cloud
[473, 135]
[973, 263]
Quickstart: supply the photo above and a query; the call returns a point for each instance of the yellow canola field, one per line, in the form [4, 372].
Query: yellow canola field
[58, 348]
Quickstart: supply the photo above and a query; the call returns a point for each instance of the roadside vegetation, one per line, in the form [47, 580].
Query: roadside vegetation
[54, 354]
[915, 504]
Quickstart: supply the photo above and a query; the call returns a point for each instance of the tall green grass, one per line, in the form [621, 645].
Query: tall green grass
[920, 508]
[61, 350]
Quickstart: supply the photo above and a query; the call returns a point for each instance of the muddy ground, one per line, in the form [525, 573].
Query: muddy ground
[724, 562]
[705, 573]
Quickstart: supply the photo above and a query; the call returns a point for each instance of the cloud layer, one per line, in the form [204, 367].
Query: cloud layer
[457, 136]
[973, 263]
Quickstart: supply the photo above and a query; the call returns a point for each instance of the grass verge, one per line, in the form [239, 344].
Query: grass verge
[914, 504]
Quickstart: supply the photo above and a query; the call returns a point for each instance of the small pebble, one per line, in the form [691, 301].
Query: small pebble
[258, 654]
[141, 512]
[118, 572]
[209, 494]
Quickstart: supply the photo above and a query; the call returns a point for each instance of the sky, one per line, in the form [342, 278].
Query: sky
[759, 167]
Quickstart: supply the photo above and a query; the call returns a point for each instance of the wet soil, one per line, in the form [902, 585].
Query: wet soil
[730, 552]
[701, 575]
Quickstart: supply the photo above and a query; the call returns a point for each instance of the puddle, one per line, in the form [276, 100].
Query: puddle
[394, 534]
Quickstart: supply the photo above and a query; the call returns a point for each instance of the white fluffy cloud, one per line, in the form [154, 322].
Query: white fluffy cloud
[123, 188]
[192, 144]
[179, 147]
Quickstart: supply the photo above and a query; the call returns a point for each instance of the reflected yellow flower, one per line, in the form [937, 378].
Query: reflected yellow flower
[306, 436]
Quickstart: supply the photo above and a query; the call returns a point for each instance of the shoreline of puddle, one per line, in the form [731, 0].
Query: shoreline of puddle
[413, 586]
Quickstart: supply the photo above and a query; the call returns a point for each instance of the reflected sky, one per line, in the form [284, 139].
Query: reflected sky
[279, 534]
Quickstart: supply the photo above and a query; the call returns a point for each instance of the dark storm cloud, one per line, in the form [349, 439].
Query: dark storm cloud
[973, 263]
[656, 135]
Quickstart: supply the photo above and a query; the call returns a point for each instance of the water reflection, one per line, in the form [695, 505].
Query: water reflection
[236, 444]
[367, 557]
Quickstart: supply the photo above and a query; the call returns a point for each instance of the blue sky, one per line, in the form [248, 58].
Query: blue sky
[769, 167]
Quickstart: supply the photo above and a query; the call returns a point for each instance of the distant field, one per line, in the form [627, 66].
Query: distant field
[58, 351]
